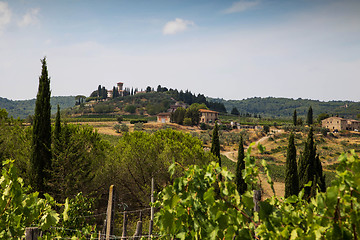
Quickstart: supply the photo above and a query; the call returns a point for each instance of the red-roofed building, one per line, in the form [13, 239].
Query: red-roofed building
[163, 117]
[208, 116]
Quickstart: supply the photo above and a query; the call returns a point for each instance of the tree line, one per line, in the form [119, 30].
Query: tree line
[184, 96]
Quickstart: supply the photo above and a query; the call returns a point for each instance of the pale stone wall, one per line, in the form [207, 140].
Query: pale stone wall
[337, 123]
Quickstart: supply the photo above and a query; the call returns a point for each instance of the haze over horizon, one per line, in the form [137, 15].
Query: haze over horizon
[223, 49]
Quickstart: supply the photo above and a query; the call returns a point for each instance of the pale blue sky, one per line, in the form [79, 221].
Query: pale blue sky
[226, 49]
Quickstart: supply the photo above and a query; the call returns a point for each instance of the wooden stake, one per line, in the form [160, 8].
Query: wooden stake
[124, 233]
[256, 200]
[110, 213]
[31, 233]
[151, 224]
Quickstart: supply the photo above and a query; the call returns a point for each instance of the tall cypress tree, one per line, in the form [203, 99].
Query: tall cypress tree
[40, 161]
[240, 182]
[295, 118]
[99, 91]
[310, 116]
[215, 143]
[291, 177]
[307, 169]
[57, 129]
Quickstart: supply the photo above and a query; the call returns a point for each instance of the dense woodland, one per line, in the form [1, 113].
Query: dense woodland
[284, 107]
[23, 108]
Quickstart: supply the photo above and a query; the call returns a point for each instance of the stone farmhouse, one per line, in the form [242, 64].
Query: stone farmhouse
[164, 117]
[208, 116]
[339, 124]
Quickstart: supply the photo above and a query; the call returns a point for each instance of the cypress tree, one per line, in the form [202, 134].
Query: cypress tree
[291, 177]
[240, 182]
[307, 165]
[215, 143]
[40, 161]
[235, 111]
[310, 116]
[103, 93]
[295, 118]
[99, 91]
[57, 129]
[320, 177]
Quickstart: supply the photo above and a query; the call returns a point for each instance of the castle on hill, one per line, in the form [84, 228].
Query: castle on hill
[119, 89]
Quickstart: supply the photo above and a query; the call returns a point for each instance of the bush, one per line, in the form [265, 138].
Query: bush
[266, 128]
[124, 128]
[117, 128]
[138, 126]
[102, 108]
[133, 121]
[225, 127]
[203, 126]
[187, 122]
[119, 119]
[130, 108]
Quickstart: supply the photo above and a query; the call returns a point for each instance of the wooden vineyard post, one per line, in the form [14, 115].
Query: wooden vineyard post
[124, 232]
[256, 200]
[110, 213]
[138, 231]
[31, 233]
[151, 224]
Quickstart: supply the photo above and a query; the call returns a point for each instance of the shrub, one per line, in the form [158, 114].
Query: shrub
[119, 119]
[130, 108]
[134, 121]
[124, 128]
[266, 128]
[102, 108]
[203, 126]
[138, 126]
[117, 128]
[187, 122]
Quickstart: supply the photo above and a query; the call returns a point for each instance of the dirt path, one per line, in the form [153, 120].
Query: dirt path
[278, 186]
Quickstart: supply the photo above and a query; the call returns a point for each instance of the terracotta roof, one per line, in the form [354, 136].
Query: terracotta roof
[207, 111]
[164, 114]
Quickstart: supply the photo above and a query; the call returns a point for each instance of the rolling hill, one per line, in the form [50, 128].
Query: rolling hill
[284, 107]
[24, 108]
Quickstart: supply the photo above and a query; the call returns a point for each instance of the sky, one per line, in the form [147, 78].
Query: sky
[222, 49]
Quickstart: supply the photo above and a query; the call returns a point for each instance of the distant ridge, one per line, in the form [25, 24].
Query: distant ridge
[284, 107]
[24, 108]
[265, 107]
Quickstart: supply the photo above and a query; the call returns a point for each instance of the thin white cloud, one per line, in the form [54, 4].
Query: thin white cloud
[30, 18]
[242, 6]
[176, 26]
[5, 15]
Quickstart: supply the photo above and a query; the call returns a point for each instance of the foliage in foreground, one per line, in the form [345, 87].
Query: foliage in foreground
[192, 209]
[20, 209]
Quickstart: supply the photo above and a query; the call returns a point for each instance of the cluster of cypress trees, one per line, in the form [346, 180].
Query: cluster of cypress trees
[309, 168]
[215, 149]
[60, 164]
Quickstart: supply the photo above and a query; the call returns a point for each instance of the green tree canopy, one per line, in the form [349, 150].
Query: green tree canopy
[193, 113]
[139, 156]
[41, 140]
[235, 111]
